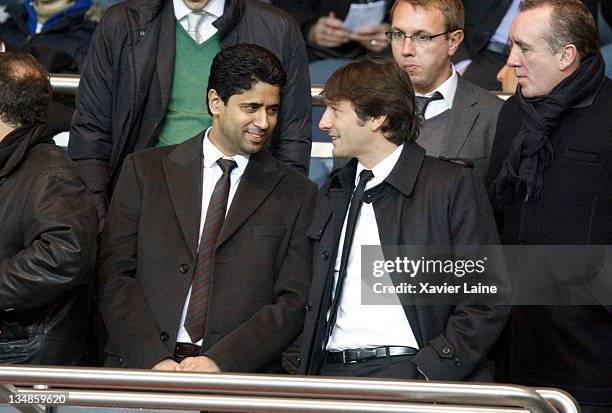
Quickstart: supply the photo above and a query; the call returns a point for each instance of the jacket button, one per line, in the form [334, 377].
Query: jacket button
[164, 336]
[446, 350]
[183, 268]
[325, 255]
[458, 362]
[141, 33]
[299, 359]
[308, 307]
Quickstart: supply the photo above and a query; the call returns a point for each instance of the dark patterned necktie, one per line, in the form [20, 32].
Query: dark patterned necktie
[349, 234]
[422, 102]
[198, 302]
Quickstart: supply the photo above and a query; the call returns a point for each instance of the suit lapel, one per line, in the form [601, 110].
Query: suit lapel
[340, 196]
[183, 171]
[259, 179]
[462, 118]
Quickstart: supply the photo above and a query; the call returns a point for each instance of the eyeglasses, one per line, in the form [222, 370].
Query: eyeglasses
[418, 38]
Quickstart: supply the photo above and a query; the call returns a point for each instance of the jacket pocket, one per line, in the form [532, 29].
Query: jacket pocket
[584, 156]
[269, 231]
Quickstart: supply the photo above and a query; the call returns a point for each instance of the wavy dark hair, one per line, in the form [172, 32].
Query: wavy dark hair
[376, 87]
[25, 91]
[236, 69]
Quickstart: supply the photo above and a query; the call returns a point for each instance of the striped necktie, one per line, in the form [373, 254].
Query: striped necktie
[215, 215]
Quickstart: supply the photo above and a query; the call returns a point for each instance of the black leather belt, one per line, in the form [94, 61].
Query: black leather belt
[498, 48]
[184, 350]
[363, 354]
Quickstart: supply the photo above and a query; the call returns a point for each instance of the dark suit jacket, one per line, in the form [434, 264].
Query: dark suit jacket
[471, 127]
[424, 201]
[261, 269]
[562, 346]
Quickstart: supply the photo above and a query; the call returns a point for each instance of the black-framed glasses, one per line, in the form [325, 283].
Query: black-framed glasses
[418, 38]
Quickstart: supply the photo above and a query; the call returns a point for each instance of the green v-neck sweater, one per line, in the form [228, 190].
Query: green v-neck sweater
[187, 115]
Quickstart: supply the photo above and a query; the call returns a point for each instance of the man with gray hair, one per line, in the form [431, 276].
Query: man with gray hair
[550, 179]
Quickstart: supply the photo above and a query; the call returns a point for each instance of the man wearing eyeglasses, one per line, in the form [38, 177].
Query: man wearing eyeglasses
[458, 119]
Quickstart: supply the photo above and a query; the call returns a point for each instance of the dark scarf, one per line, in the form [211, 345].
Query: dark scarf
[15, 145]
[531, 152]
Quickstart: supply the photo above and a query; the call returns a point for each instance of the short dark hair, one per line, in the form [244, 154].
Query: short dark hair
[237, 68]
[376, 87]
[25, 91]
[571, 22]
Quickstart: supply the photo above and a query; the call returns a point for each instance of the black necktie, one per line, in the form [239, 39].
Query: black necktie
[422, 102]
[349, 233]
[215, 215]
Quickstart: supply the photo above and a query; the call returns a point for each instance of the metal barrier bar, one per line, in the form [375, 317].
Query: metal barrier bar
[252, 385]
[64, 84]
[559, 400]
[68, 85]
[249, 404]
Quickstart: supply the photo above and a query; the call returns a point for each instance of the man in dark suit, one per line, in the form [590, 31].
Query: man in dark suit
[183, 286]
[551, 181]
[458, 118]
[397, 196]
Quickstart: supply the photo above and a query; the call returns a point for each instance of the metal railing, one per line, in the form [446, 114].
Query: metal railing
[68, 84]
[96, 387]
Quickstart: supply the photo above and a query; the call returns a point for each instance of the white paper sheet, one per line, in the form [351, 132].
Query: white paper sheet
[364, 15]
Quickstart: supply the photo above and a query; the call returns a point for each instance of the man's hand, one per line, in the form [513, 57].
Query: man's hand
[202, 364]
[167, 365]
[372, 38]
[328, 32]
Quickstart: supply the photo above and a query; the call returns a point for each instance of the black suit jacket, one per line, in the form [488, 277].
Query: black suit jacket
[261, 267]
[423, 201]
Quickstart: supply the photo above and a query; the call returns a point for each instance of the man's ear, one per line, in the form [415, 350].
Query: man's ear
[454, 40]
[214, 101]
[376, 123]
[569, 57]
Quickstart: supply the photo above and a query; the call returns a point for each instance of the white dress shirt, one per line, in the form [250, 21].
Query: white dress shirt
[448, 90]
[358, 325]
[212, 11]
[212, 173]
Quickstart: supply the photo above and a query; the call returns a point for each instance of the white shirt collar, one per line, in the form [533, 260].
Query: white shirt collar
[382, 168]
[448, 88]
[214, 8]
[211, 153]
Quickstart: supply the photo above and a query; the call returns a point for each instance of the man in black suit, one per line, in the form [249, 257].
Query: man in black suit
[183, 286]
[551, 182]
[397, 196]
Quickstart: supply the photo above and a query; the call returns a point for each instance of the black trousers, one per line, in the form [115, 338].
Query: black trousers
[398, 367]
